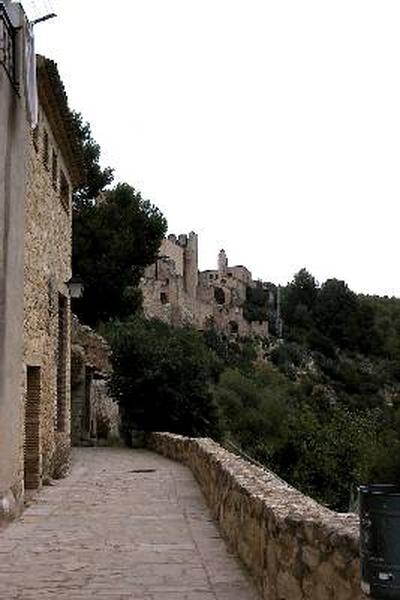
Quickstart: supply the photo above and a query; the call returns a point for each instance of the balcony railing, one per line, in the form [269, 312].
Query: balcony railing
[7, 46]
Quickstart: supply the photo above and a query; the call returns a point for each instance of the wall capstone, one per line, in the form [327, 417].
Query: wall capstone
[295, 548]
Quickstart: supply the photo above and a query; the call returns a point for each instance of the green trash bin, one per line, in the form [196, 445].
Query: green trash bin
[380, 540]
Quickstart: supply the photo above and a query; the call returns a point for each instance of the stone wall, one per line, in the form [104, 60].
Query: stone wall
[170, 248]
[13, 157]
[94, 415]
[47, 268]
[169, 285]
[175, 292]
[295, 548]
[97, 351]
[105, 421]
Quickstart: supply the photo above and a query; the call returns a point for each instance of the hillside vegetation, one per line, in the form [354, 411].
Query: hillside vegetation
[321, 406]
[324, 411]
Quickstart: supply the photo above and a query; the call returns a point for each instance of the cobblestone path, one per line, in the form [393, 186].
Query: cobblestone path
[110, 532]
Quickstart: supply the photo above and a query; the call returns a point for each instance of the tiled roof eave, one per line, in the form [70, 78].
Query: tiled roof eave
[54, 102]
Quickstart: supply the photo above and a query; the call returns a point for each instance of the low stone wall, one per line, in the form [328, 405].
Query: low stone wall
[295, 548]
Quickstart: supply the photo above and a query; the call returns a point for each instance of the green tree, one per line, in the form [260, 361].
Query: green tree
[344, 318]
[298, 303]
[232, 351]
[256, 306]
[327, 457]
[97, 178]
[113, 241]
[255, 408]
[386, 326]
[162, 377]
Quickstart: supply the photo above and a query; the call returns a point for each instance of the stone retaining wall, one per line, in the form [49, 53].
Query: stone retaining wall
[295, 548]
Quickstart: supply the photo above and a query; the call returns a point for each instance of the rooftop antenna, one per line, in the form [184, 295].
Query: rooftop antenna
[39, 11]
[45, 18]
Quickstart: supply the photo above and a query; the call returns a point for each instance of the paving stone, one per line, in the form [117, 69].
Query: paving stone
[107, 532]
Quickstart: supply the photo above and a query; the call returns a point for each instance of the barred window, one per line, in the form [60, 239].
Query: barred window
[54, 170]
[35, 138]
[46, 149]
[65, 191]
[7, 46]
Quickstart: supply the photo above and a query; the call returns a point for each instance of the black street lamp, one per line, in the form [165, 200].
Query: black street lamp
[75, 286]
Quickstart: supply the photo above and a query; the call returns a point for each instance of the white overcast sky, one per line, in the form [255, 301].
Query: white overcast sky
[271, 128]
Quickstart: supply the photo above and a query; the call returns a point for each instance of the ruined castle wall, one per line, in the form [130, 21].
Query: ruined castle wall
[238, 288]
[174, 305]
[176, 253]
[259, 328]
[191, 266]
[204, 277]
[195, 297]
[203, 311]
[46, 300]
[216, 279]
[169, 287]
[241, 273]
[295, 548]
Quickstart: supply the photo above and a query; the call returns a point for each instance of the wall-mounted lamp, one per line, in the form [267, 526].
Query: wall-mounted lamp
[75, 287]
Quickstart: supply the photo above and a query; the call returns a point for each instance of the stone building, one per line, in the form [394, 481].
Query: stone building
[94, 415]
[13, 136]
[175, 291]
[55, 167]
[225, 290]
[170, 286]
[235, 279]
[39, 167]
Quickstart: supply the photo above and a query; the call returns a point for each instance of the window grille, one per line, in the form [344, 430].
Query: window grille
[65, 191]
[46, 149]
[7, 46]
[54, 170]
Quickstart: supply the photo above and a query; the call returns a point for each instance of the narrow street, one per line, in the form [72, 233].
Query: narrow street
[125, 524]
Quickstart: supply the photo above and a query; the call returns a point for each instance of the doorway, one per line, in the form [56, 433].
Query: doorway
[32, 429]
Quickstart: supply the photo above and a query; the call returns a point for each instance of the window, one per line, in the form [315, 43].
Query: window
[65, 191]
[8, 35]
[163, 298]
[35, 138]
[219, 296]
[46, 149]
[234, 327]
[54, 170]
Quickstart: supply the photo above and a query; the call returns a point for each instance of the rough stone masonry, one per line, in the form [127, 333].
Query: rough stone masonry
[295, 548]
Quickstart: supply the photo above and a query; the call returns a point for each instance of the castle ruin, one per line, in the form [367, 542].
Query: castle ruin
[176, 292]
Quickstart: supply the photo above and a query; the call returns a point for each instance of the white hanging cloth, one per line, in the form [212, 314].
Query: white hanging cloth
[31, 91]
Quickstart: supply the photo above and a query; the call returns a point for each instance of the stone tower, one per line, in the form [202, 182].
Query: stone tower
[191, 265]
[222, 262]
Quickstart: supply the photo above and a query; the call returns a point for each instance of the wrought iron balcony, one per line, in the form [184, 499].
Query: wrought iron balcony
[7, 46]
